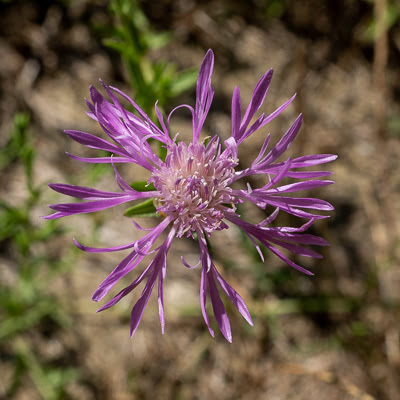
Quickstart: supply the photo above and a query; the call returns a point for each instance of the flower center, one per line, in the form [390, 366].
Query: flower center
[193, 183]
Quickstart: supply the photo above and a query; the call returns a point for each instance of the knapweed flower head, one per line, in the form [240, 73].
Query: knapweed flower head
[192, 191]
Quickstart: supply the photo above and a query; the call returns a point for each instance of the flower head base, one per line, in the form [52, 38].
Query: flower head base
[192, 190]
[194, 186]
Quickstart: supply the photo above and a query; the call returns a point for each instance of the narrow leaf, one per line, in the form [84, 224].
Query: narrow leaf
[142, 186]
[144, 209]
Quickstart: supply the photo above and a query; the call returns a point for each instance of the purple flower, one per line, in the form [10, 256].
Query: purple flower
[193, 193]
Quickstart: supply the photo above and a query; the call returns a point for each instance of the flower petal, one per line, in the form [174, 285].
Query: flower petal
[204, 94]
[258, 97]
[81, 192]
[131, 260]
[203, 299]
[95, 142]
[138, 309]
[233, 296]
[284, 142]
[219, 309]
[236, 113]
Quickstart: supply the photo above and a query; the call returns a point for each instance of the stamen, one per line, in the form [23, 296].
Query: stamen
[193, 185]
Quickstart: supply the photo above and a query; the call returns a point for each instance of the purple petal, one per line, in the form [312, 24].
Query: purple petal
[300, 250]
[127, 130]
[91, 206]
[204, 94]
[231, 147]
[284, 142]
[305, 174]
[275, 113]
[270, 218]
[151, 126]
[82, 192]
[203, 299]
[264, 235]
[264, 120]
[158, 268]
[95, 142]
[126, 290]
[236, 113]
[233, 296]
[278, 177]
[306, 202]
[305, 161]
[286, 260]
[302, 228]
[100, 160]
[102, 249]
[95, 96]
[297, 186]
[140, 228]
[219, 309]
[188, 265]
[131, 260]
[254, 127]
[55, 215]
[315, 159]
[162, 123]
[125, 187]
[178, 108]
[263, 149]
[161, 298]
[138, 309]
[259, 93]
[301, 238]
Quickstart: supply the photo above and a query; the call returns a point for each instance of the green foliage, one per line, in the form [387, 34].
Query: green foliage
[144, 209]
[375, 28]
[275, 8]
[393, 124]
[19, 147]
[133, 38]
[49, 381]
[143, 186]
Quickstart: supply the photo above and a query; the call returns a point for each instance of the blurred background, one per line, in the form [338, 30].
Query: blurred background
[331, 336]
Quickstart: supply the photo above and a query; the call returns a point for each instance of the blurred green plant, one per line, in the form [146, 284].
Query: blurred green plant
[49, 381]
[374, 27]
[393, 123]
[274, 9]
[25, 303]
[133, 38]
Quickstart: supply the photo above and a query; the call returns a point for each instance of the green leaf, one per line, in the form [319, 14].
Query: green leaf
[144, 209]
[19, 144]
[157, 40]
[162, 151]
[377, 26]
[206, 140]
[115, 45]
[142, 186]
[184, 81]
